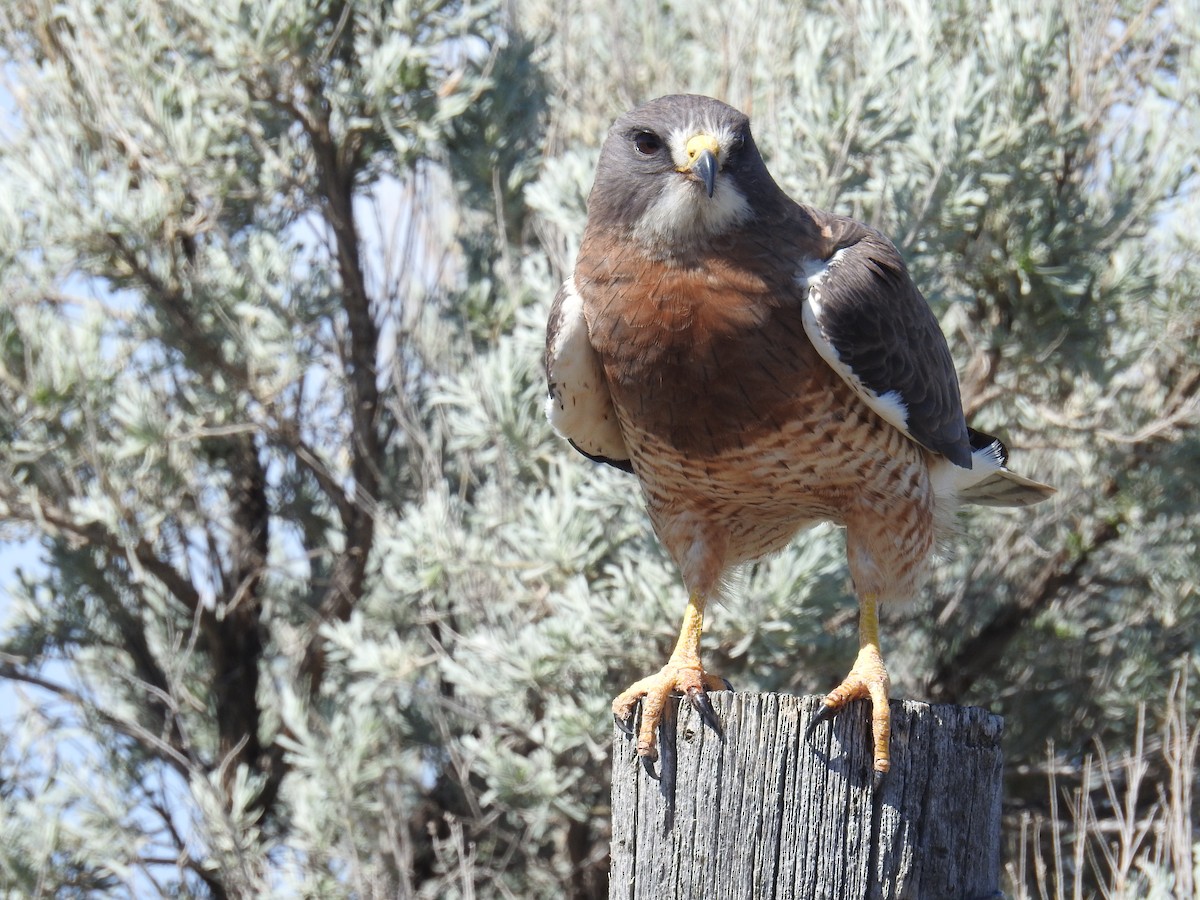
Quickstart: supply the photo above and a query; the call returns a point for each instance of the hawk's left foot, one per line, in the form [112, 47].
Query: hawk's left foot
[868, 679]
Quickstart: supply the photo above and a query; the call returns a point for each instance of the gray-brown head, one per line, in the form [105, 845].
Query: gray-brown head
[680, 169]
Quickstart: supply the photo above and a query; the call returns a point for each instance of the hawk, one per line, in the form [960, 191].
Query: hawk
[760, 366]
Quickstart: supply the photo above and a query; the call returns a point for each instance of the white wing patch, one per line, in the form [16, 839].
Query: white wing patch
[580, 407]
[890, 406]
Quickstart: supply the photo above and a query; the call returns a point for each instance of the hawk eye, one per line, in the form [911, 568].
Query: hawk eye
[647, 143]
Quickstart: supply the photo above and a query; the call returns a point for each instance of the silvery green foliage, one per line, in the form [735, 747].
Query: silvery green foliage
[207, 292]
[180, 355]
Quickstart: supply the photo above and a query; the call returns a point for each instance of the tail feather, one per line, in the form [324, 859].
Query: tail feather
[1005, 488]
[988, 482]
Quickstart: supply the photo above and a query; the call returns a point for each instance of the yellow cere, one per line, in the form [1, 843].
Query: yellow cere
[697, 144]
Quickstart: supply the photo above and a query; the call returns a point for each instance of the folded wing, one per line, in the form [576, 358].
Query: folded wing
[580, 407]
[872, 326]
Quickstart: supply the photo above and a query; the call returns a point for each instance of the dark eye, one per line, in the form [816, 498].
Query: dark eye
[647, 143]
[738, 142]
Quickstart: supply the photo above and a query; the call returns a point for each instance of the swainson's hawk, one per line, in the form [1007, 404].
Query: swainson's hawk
[760, 366]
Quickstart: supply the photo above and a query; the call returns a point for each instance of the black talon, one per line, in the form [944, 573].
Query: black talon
[648, 765]
[728, 684]
[625, 727]
[703, 705]
[877, 779]
[824, 714]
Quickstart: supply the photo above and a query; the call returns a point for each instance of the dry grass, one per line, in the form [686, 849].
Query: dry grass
[1127, 828]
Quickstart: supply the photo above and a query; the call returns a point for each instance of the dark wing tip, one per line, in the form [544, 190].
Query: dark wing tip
[959, 454]
[623, 464]
[953, 439]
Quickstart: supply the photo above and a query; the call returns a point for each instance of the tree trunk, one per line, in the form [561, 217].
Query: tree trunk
[764, 812]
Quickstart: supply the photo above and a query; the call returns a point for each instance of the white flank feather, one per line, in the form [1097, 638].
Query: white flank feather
[580, 407]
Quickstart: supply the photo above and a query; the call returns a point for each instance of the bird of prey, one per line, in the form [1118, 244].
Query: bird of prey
[759, 365]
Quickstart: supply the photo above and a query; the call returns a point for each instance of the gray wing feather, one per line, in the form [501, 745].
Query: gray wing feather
[869, 321]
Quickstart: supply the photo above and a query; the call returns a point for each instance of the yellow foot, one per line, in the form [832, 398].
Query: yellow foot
[688, 680]
[867, 679]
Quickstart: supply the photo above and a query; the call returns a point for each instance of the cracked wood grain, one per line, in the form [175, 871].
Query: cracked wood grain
[761, 812]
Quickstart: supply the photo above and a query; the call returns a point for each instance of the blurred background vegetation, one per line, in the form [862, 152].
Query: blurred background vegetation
[302, 597]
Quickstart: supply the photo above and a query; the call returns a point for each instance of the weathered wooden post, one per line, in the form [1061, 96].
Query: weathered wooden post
[762, 812]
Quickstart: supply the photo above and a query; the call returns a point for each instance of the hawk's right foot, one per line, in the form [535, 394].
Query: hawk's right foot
[680, 679]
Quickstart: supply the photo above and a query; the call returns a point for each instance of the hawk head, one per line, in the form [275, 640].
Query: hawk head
[680, 170]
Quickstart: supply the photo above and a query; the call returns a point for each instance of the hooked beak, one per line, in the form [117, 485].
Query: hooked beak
[702, 150]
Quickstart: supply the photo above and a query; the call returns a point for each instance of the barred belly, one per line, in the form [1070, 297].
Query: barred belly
[836, 461]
